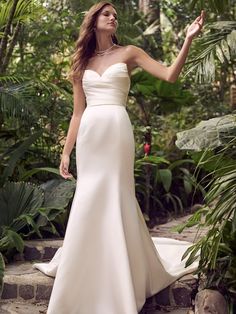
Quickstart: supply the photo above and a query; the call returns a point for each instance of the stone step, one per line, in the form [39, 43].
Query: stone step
[41, 250]
[22, 282]
[44, 249]
[177, 296]
[178, 311]
[22, 307]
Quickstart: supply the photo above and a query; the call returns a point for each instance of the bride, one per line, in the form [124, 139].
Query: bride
[109, 264]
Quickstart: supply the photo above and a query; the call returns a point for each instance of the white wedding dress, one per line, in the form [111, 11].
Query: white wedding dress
[109, 263]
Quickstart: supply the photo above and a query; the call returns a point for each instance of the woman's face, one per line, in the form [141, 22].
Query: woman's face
[107, 19]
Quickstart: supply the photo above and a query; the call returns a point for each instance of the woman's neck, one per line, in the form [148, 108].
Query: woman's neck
[103, 42]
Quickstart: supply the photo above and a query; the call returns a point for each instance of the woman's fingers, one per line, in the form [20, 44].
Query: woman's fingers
[200, 18]
[64, 170]
[195, 28]
[66, 175]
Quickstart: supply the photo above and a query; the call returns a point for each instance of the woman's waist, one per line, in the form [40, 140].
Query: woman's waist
[108, 99]
[95, 104]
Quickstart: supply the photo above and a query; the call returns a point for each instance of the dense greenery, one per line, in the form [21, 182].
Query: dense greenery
[36, 41]
[217, 249]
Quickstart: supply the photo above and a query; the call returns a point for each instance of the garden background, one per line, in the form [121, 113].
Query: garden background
[175, 178]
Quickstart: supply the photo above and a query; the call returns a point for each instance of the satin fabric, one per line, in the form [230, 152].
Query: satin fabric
[109, 263]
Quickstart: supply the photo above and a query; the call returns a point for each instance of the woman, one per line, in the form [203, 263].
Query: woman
[109, 264]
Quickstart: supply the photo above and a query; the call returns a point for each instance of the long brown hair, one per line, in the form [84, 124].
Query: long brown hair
[86, 42]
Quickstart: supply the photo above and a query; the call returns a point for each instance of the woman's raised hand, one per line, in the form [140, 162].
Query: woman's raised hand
[64, 166]
[195, 28]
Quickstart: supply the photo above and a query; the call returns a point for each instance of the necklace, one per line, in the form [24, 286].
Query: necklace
[104, 52]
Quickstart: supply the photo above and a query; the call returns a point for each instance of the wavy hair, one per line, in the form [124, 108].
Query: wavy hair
[86, 42]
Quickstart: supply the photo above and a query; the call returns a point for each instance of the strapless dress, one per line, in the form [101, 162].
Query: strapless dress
[109, 263]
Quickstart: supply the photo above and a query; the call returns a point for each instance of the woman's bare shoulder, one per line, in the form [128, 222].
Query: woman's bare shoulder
[131, 52]
[129, 48]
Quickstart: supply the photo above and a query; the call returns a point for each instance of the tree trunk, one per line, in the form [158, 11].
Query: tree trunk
[11, 47]
[5, 54]
[152, 10]
[144, 6]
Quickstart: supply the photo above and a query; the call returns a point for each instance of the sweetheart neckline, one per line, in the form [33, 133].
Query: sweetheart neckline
[101, 75]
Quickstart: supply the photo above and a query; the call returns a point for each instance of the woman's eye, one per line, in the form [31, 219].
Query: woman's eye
[107, 14]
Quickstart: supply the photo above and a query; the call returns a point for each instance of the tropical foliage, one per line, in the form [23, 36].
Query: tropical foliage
[28, 209]
[217, 47]
[36, 40]
[165, 188]
[216, 250]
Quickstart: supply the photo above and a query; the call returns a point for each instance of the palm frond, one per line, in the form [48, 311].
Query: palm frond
[219, 44]
[218, 6]
[10, 158]
[17, 92]
[13, 97]
[26, 10]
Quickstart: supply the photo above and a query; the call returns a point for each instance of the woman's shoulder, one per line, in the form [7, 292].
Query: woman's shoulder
[132, 51]
[130, 54]
[130, 48]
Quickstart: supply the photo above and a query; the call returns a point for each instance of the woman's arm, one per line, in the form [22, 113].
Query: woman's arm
[79, 106]
[140, 58]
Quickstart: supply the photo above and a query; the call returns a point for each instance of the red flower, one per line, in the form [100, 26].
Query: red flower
[147, 148]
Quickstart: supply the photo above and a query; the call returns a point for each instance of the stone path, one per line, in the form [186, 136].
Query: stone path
[41, 308]
[17, 307]
[27, 290]
[179, 311]
[188, 234]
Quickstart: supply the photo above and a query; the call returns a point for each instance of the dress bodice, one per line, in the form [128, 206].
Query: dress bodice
[110, 88]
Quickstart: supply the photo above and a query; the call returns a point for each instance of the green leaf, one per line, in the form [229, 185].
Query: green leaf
[58, 193]
[30, 173]
[11, 240]
[187, 185]
[26, 10]
[152, 160]
[17, 153]
[194, 220]
[166, 178]
[29, 219]
[178, 163]
[16, 199]
[191, 251]
[2, 268]
[219, 40]
[234, 222]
